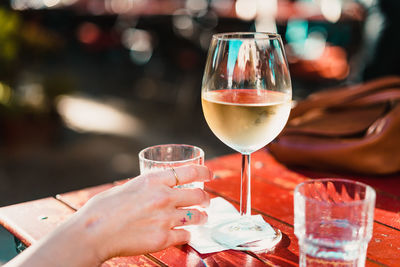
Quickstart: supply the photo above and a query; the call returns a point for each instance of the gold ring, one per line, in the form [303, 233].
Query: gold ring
[176, 176]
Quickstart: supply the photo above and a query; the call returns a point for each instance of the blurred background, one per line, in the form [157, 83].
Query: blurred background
[86, 84]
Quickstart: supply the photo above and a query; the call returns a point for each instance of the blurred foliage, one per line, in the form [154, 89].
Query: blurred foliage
[18, 36]
[20, 41]
[10, 24]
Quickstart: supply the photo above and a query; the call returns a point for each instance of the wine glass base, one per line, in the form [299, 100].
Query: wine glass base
[263, 245]
[248, 234]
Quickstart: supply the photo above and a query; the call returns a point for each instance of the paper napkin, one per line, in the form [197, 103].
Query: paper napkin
[221, 212]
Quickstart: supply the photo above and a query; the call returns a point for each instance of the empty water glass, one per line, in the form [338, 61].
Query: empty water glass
[333, 221]
[168, 156]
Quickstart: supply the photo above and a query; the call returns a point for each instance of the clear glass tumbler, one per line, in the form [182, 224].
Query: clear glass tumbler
[162, 157]
[333, 221]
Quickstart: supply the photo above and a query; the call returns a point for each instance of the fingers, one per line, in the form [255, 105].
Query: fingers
[193, 173]
[184, 174]
[191, 197]
[179, 236]
[185, 217]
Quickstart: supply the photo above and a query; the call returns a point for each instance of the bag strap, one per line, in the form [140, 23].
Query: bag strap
[346, 94]
[365, 110]
[388, 95]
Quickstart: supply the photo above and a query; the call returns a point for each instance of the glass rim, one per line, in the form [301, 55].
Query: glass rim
[347, 181]
[239, 36]
[142, 157]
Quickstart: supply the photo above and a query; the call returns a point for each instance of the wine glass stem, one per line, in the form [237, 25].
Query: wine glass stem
[245, 189]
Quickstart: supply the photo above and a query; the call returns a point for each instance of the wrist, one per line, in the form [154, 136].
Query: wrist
[71, 244]
[84, 226]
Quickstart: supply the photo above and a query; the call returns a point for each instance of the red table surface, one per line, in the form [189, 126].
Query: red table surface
[272, 197]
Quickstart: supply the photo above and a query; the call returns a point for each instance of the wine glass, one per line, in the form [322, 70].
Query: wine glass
[246, 99]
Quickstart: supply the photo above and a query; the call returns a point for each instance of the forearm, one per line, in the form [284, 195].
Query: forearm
[70, 244]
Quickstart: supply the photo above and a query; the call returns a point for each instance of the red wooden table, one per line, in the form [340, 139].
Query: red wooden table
[272, 197]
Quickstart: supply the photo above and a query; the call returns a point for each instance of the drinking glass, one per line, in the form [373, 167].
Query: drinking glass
[162, 157]
[333, 222]
[246, 99]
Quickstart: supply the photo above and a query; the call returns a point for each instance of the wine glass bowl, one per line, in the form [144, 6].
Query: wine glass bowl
[246, 89]
[246, 100]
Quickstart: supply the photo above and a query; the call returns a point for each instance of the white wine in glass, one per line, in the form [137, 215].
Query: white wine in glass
[246, 99]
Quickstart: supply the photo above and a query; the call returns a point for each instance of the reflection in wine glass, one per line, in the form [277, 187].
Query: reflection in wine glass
[246, 99]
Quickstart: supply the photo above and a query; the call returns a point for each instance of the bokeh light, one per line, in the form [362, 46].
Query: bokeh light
[119, 6]
[5, 93]
[51, 3]
[266, 13]
[314, 45]
[246, 9]
[331, 9]
[140, 44]
[84, 114]
[88, 33]
[296, 35]
[31, 95]
[183, 23]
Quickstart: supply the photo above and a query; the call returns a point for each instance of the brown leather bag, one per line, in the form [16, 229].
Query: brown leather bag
[353, 128]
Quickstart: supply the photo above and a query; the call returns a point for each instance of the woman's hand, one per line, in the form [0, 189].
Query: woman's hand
[140, 216]
[137, 217]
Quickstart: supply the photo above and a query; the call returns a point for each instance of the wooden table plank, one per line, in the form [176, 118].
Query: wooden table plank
[187, 256]
[32, 220]
[129, 261]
